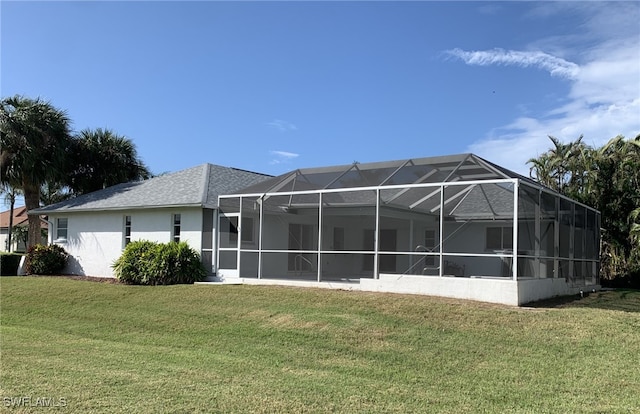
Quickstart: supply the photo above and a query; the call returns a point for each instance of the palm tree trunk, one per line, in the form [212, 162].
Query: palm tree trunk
[12, 202]
[31, 202]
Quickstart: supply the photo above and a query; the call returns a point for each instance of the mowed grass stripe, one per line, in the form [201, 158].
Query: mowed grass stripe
[117, 348]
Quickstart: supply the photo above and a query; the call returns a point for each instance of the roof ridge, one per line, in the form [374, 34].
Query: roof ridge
[205, 182]
[249, 171]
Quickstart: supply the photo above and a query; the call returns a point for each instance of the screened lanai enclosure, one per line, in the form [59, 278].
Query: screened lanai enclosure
[452, 226]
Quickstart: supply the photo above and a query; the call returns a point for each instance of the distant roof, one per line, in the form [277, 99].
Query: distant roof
[450, 168]
[198, 186]
[20, 218]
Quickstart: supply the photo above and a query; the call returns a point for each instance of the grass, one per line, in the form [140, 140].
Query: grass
[256, 349]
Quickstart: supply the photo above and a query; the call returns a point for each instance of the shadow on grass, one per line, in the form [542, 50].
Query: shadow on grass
[626, 300]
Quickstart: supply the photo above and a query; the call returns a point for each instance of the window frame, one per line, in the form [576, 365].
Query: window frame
[506, 238]
[126, 231]
[176, 227]
[59, 237]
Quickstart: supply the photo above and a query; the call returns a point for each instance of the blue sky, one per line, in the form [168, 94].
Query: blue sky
[275, 86]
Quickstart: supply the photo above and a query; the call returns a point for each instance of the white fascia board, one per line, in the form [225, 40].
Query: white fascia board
[100, 209]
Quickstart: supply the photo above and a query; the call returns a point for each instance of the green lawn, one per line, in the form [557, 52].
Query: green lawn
[99, 347]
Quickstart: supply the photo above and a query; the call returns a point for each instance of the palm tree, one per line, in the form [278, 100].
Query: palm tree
[620, 168]
[103, 158]
[33, 141]
[542, 170]
[608, 179]
[54, 192]
[562, 167]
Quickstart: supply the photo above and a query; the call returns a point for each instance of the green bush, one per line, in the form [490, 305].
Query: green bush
[9, 263]
[150, 263]
[132, 266]
[45, 260]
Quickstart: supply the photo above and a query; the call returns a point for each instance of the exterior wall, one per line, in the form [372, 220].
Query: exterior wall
[472, 239]
[275, 234]
[485, 289]
[96, 239]
[538, 289]
[492, 290]
[156, 225]
[495, 290]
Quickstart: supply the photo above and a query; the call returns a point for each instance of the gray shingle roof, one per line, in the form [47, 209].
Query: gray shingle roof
[196, 186]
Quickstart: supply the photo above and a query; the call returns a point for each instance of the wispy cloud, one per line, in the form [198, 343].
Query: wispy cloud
[489, 8]
[554, 65]
[282, 126]
[282, 157]
[604, 95]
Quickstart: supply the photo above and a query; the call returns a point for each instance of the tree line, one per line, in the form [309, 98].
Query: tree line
[608, 179]
[45, 161]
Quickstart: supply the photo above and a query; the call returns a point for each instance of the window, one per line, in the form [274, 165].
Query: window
[62, 225]
[247, 230]
[499, 238]
[176, 228]
[127, 230]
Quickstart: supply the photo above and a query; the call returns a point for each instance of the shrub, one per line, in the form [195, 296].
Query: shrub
[9, 263]
[45, 260]
[150, 263]
[129, 267]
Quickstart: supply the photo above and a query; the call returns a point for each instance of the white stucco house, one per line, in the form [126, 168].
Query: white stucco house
[455, 226]
[94, 228]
